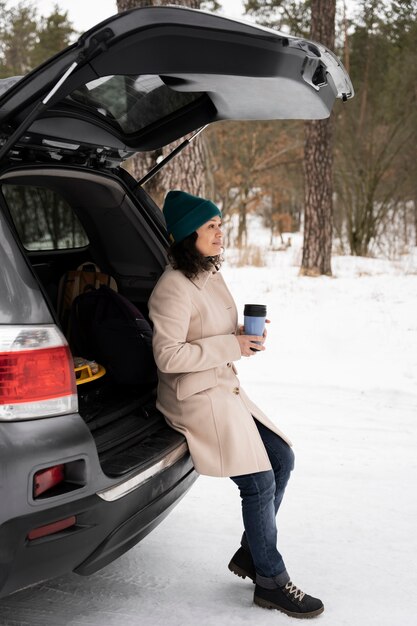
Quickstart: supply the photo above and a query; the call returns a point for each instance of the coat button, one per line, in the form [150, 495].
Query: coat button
[236, 390]
[229, 365]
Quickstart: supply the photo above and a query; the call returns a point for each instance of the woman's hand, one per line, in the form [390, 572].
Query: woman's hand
[250, 344]
[241, 331]
[265, 332]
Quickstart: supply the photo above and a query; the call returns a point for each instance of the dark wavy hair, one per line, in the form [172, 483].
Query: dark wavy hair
[185, 257]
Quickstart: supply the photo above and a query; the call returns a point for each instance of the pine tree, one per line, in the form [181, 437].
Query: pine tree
[318, 164]
[17, 39]
[54, 34]
[27, 40]
[376, 164]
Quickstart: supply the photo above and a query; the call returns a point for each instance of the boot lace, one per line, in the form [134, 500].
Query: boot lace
[295, 591]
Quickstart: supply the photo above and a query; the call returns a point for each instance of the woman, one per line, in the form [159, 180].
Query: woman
[196, 341]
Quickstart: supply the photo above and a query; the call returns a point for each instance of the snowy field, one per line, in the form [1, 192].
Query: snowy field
[339, 377]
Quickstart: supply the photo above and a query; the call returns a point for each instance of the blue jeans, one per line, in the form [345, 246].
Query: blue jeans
[262, 495]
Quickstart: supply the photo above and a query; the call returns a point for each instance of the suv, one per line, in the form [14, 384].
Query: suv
[87, 471]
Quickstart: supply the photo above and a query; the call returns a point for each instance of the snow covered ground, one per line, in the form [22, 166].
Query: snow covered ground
[339, 376]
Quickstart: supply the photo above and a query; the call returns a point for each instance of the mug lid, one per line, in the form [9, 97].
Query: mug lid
[255, 310]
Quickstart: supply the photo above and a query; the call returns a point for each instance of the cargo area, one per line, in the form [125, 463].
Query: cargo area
[95, 221]
[129, 431]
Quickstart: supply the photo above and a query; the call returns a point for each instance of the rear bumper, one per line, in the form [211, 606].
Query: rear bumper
[104, 530]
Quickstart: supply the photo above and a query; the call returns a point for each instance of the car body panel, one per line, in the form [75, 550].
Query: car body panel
[103, 532]
[21, 299]
[210, 68]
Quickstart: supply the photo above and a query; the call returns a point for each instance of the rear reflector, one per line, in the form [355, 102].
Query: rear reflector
[36, 373]
[51, 529]
[47, 479]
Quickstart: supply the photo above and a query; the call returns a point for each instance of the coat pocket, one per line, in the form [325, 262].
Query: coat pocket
[195, 382]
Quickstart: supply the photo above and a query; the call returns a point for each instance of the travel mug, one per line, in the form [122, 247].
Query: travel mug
[254, 320]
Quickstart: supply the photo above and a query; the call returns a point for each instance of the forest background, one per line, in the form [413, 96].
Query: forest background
[259, 167]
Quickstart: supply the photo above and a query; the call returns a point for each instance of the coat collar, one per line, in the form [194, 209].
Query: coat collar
[201, 279]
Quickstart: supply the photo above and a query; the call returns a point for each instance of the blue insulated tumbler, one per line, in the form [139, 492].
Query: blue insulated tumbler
[254, 319]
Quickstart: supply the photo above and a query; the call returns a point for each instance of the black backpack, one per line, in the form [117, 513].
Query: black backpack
[106, 327]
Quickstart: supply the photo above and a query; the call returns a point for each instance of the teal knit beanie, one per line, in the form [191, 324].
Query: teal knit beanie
[184, 213]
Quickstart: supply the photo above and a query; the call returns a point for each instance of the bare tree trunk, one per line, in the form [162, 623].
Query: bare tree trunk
[318, 210]
[318, 162]
[242, 226]
[415, 216]
[346, 53]
[185, 171]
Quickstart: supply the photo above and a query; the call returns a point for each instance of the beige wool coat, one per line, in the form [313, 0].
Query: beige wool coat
[195, 323]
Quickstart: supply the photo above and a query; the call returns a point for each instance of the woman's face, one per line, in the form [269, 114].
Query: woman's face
[209, 240]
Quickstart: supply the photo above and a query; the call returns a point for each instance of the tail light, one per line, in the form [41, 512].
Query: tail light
[52, 529]
[36, 373]
[47, 479]
[58, 479]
